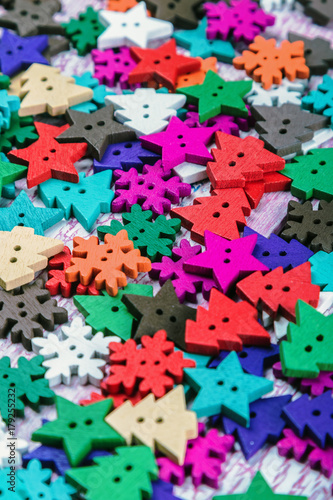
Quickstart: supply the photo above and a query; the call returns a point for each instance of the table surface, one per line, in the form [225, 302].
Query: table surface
[286, 476]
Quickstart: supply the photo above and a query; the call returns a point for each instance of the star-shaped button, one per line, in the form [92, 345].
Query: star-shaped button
[266, 424]
[17, 53]
[227, 390]
[47, 158]
[30, 18]
[131, 28]
[181, 14]
[22, 212]
[275, 252]
[235, 260]
[98, 130]
[216, 96]
[162, 312]
[79, 429]
[199, 46]
[56, 459]
[258, 489]
[162, 64]
[49, 457]
[125, 155]
[163, 491]
[253, 359]
[179, 143]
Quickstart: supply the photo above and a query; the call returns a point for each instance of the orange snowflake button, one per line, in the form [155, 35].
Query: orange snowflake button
[108, 264]
[266, 63]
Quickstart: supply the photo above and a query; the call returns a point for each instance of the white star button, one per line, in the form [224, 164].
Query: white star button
[131, 28]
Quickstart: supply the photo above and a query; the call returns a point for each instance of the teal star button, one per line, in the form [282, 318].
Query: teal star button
[199, 46]
[227, 390]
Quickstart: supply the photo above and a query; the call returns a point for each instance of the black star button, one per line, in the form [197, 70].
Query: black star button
[30, 19]
[98, 130]
[181, 13]
[162, 312]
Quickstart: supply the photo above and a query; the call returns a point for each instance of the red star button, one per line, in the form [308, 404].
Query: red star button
[47, 158]
[162, 64]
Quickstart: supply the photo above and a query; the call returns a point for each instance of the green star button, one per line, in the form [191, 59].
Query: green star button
[79, 429]
[215, 96]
